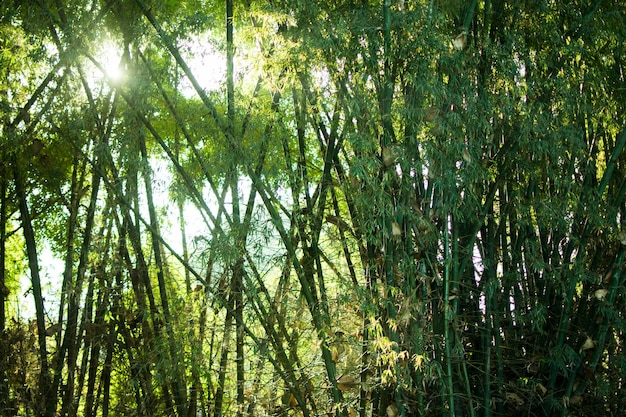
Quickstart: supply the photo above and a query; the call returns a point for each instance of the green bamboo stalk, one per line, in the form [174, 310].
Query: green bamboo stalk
[448, 317]
[48, 403]
[455, 308]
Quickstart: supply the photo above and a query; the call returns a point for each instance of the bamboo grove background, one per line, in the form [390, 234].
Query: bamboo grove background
[407, 208]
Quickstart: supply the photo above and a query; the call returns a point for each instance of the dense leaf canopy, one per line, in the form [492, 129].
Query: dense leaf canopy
[287, 207]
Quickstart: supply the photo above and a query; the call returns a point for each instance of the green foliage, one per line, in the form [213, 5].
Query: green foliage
[407, 208]
[14, 269]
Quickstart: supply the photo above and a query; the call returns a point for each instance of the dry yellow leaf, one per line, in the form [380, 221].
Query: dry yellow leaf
[601, 294]
[395, 229]
[514, 398]
[589, 344]
[346, 383]
[392, 410]
[460, 41]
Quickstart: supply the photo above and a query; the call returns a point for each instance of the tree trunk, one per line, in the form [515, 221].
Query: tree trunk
[219, 395]
[48, 404]
[4, 291]
[177, 382]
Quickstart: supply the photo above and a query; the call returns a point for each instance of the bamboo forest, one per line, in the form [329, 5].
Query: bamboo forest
[388, 208]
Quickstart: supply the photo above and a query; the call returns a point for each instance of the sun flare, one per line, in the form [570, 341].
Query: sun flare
[109, 56]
